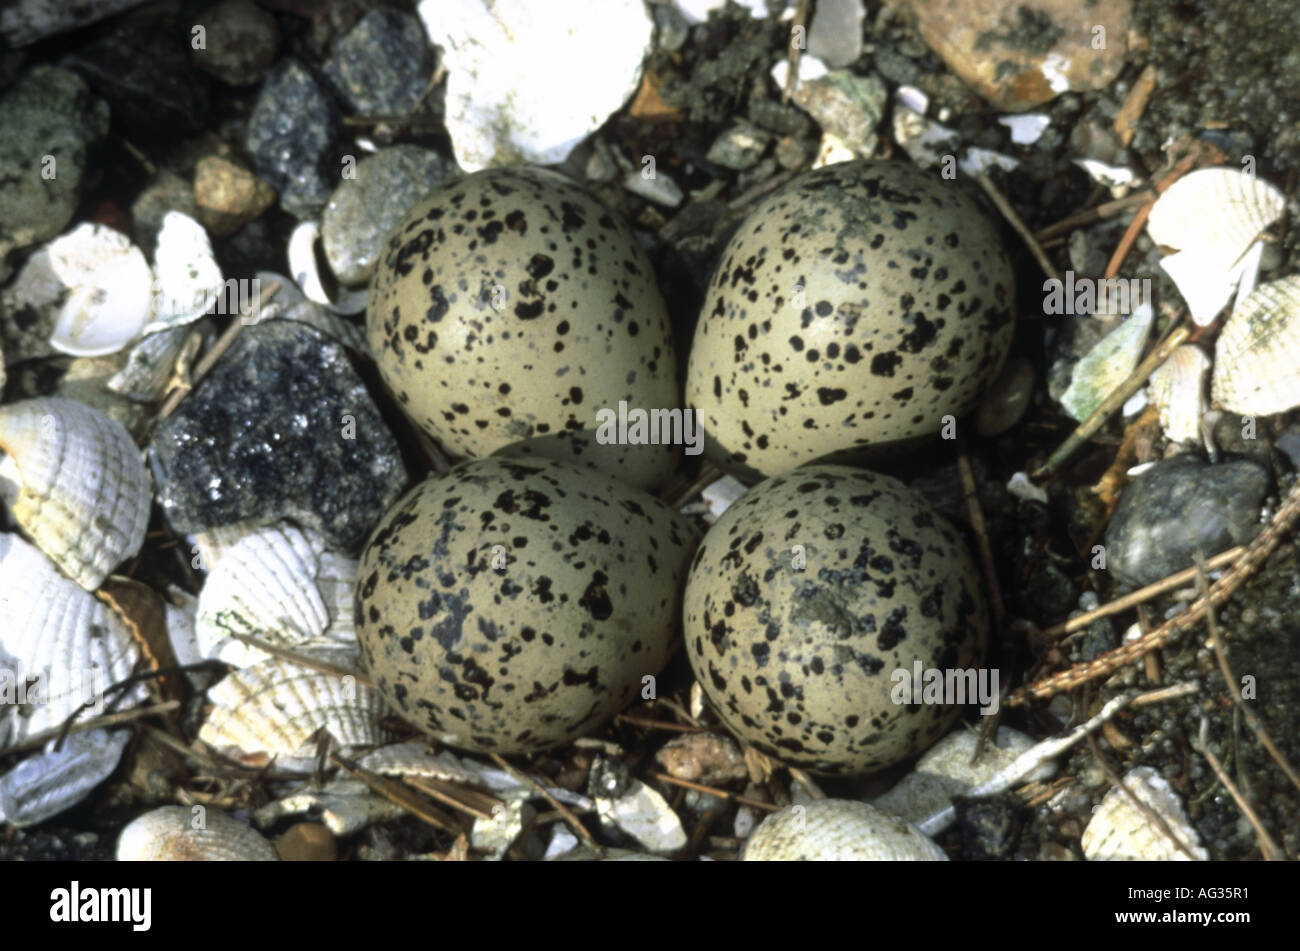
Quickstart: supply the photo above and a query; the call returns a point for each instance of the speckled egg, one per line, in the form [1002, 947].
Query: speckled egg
[808, 595]
[509, 606]
[509, 308]
[855, 307]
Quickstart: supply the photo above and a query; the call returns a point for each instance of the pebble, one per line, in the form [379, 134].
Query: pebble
[281, 428]
[26, 21]
[228, 196]
[508, 99]
[989, 827]
[835, 34]
[674, 28]
[1022, 55]
[48, 119]
[289, 134]
[240, 42]
[703, 758]
[307, 842]
[658, 188]
[363, 210]
[1177, 506]
[740, 147]
[382, 66]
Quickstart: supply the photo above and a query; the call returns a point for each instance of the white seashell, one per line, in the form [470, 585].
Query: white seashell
[152, 363]
[945, 771]
[646, 816]
[1212, 217]
[1258, 353]
[838, 830]
[210, 546]
[196, 834]
[496, 834]
[189, 278]
[51, 782]
[1115, 177]
[1026, 128]
[275, 708]
[272, 585]
[305, 265]
[925, 141]
[76, 484]
[719, 495]
[1108, 364]
[1119, 831]
[1178, 389]
[978, 161]
[181, 608]
[1022, 487]
[344, 805]
[106, 290]
[72, 643]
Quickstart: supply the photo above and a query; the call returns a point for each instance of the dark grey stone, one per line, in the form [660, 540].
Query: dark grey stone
[289, 136]
[49, 112]
[1179, 506]
[263, 437]
[381, 67]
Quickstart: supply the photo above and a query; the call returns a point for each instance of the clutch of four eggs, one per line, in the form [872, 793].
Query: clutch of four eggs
[526, 596]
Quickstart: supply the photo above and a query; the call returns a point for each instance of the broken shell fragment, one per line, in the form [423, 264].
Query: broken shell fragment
[272, 585]
[1120, 831]
[1256, 356]
[1108, 364]
[1178, 390]
[152, 364]
[838, 830]
[276, 708]
[75, 483]
[189, 278]
[197, 834]
[104, 287]
[60, 647]
[53, 781]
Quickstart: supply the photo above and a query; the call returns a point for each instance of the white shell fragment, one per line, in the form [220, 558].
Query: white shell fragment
[496, 834]
[344, 806]
[60, 646]
[275, 708]
[189, 278]
[306, 267]
[51, 782]
[719, 495]
[105, 290]
[1178, 389]
[196, 834]
[925, 141]
[506, 100]
[272, 584]
[945, 771]
[1257, 356]
[1108, 364]
[1211, 217]
[838, 830]
[1026, 128]
[75, 483]
[1120, 831]
[151, 364]
[644, 815]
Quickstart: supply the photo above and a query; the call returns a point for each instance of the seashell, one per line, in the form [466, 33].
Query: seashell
[1256, 356]
[59, 645]
[53, 781]
[104, 290]
[210, 546]
[1108, 364]
[946, 771]
[1178, 389]
[189, 278]
[275, 707]
[304, 263]
[152, 364]
[278, 585]
[344, 805]
[1222, 209]
[838, 830]
[76, 484]
[1212, 217]
[645, 815]
[1119, 831]
[197, 834]
[496, 834]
